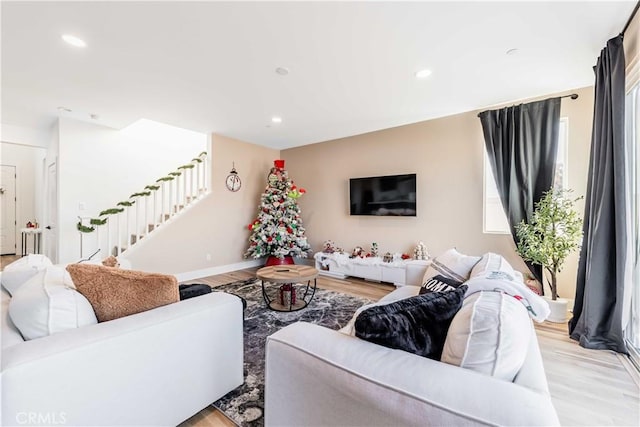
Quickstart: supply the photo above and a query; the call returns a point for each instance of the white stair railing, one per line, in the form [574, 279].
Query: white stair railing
[117, 229]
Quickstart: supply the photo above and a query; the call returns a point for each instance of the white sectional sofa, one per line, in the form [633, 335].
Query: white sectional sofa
[155, 368]
[319, 377]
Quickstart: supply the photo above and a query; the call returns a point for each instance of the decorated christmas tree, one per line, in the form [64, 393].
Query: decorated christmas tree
[277, 231]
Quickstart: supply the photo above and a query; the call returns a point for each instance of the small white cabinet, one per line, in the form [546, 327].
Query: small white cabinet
[400, 273]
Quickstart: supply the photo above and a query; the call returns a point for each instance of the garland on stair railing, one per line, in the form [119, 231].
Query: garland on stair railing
[111, 211]
[102, 216]
[83, 228]
[140, 194]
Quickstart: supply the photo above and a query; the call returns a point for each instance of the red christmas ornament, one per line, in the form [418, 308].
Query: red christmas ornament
[289, 230]
[302, 191]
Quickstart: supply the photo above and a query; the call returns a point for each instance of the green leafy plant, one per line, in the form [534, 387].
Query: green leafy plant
[554, 232]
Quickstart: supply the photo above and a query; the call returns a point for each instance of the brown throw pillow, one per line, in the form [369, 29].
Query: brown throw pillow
[115, 293]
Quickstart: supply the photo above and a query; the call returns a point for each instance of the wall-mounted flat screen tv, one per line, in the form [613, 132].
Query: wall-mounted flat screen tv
[393, 195]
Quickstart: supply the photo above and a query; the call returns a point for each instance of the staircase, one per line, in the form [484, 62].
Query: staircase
[120, 228]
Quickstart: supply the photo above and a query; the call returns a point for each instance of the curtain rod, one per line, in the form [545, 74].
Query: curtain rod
[572, 96]
[633, 14]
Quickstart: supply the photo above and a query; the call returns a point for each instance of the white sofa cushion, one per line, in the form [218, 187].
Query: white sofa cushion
[8, 331]
[451, 264]
[21, 270]
[48, 303]
[489, 334]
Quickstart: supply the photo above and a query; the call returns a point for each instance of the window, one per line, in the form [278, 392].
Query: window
[495, 220]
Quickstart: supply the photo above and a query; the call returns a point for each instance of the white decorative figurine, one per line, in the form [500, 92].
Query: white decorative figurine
[420, 252]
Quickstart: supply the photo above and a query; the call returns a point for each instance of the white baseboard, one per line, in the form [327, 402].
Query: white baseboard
[220, 269]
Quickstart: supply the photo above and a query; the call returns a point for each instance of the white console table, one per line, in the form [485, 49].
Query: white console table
[400, 273]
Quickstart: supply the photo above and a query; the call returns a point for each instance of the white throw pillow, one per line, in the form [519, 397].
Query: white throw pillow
[21, 270]
[496, 265]
[48, 303]
[451, 264]
[490, 334]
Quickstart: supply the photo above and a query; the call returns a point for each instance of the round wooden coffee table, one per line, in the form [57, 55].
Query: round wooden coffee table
[292, 294]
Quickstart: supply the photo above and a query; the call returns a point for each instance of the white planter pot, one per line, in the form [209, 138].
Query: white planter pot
[558, 309]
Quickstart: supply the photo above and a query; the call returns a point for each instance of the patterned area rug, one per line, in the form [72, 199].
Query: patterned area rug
[333, 310]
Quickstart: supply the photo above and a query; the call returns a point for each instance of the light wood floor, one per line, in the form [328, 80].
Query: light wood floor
[6, 260]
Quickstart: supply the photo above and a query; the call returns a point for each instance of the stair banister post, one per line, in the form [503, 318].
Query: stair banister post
[97, 236]
[109, 237]
[198, 179]
[190, 185]
[163, 203]
[171, 197]
[136, 228]
[155, 205]
[145, 222]
[184, 188]
[128, 227]
[118, 234]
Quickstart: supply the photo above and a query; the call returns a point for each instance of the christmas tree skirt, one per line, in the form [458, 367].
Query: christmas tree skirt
[333, 310]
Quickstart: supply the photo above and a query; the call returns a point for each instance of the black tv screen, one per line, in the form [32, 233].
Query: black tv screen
[393, 195]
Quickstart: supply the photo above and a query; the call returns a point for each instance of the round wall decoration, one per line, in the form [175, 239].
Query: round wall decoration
[233, 181]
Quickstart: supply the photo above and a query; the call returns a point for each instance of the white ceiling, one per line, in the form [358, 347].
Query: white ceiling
[210, 66]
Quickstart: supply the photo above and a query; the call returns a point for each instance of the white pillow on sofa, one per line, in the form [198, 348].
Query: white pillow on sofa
[451, 264]
[495, 264]
[48, 303]
[21, 270]
[490, 334]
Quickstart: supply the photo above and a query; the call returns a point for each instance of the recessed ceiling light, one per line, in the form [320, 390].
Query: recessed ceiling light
[276, 119]
[283, 71]
[512, 51]
[423, 74]
[73, 40]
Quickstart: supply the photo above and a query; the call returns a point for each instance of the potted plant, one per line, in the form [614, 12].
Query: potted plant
[555, 230]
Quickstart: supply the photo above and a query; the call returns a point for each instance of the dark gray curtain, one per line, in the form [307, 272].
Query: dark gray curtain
[597, 313]
[522, 144]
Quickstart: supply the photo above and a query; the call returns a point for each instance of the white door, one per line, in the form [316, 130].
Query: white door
[51, 224]
[8, 210]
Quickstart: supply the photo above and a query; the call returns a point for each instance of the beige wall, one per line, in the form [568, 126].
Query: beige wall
[217, 226]
[447, 155]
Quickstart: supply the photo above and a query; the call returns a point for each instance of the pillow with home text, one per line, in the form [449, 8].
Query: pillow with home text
[439, 283]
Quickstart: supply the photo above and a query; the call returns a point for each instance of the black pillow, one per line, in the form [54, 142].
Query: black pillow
[418, 324]
[193, 290]
[439, 283]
